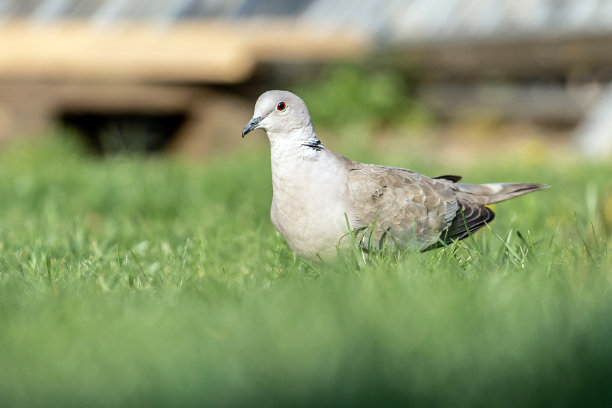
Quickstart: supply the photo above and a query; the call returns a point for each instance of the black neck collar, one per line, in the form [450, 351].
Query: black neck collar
[315, 144]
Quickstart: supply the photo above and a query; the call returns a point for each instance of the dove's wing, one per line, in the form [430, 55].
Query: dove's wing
[408, 207]
[470, 217]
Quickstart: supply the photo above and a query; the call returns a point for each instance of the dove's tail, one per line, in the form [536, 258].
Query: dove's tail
[496, 192]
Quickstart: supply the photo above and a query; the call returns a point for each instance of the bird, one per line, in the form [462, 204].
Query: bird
[320, 196]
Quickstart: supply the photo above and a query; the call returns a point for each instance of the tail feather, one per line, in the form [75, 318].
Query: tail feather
[495, 192]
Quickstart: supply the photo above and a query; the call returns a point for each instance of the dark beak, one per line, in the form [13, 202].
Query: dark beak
[252, 125]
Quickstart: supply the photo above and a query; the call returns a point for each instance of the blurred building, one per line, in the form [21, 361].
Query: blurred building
[172, 71]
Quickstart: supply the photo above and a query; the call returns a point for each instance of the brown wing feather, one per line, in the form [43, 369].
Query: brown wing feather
[410, 207]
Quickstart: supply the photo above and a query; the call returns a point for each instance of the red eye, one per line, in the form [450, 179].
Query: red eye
[281, 106]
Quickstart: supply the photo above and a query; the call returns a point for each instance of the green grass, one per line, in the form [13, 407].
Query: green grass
[155, 282]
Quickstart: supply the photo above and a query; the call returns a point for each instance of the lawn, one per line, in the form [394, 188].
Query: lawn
[133, 281]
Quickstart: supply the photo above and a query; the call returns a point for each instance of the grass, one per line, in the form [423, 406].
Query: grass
[151, 282]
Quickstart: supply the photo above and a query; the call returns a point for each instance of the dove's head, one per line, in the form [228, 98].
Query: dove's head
[280, 114]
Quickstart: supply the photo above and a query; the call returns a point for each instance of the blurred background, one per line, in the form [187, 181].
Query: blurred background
[183, 76]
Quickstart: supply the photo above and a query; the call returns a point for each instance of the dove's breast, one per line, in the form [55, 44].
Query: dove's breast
[309, 201]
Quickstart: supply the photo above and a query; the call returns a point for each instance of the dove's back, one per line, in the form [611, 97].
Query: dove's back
[417, 211]
[408, 207]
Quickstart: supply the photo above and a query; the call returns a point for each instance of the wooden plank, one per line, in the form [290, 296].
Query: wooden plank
[207, 52]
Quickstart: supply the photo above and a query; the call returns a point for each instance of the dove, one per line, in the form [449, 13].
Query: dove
[316, 192]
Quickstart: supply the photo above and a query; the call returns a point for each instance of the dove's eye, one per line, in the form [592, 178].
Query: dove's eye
[281, 106]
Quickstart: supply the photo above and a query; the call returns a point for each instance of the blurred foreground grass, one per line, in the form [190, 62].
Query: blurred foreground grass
[147, 282]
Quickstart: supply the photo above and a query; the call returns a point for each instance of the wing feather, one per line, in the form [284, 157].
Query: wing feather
[470, 217]
[412, 208]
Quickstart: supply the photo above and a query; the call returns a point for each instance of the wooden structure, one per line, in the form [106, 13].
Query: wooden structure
[66, 71]
[138, 59]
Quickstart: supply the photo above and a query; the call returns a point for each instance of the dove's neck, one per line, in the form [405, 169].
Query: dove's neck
[294, 156]
[299, 144]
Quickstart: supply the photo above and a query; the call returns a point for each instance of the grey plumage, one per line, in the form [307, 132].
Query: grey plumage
[315, 188]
